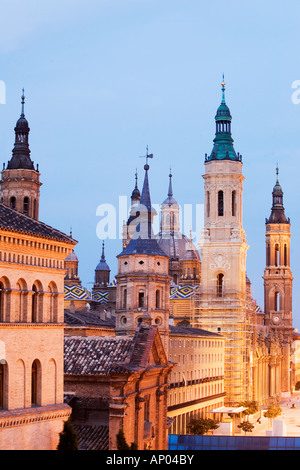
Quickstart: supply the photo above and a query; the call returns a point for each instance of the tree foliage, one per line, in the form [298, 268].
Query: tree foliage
[122, 444]
[246, 426]
[68, 438]
[252, 407]
[273, 411]
[202, 425]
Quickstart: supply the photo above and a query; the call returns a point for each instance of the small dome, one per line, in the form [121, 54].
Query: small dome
[223, 112]
[22, 124]
[71, 257]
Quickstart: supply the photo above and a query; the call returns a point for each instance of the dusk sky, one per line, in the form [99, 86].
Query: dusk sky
[105, 78]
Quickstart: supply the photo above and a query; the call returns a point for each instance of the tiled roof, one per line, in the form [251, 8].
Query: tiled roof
[15, 221]
[92, 437]
[189, 331]
[87, 318]
[102, 355]
[94, 355]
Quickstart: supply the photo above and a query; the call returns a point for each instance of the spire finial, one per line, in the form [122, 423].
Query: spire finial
[103, 255]
[136, 179]
[277, 173]
[146, 167]
[22, 102]
[170, 192]
[223, 90]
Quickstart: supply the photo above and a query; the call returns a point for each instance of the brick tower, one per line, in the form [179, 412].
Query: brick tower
[20, 180]
[278, 277]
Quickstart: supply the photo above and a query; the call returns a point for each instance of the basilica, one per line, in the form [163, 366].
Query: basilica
[174, 335]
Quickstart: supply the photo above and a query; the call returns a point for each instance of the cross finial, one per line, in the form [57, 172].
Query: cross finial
[23, 102]
[146, 167]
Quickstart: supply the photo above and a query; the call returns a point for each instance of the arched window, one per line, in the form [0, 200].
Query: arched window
[157, 299]
[276, 255]
[26, 205]
[220, 203]
[12, 202]
[34, 383]
[233, 203]
[34, 305]
[220, 285]
[277, 302]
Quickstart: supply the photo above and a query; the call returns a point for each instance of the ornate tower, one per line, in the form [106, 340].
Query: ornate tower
[278, 277]
[222, 304]
[176, 245]
[102, 272]
[20, 181]
[130, 226]
[143, 281]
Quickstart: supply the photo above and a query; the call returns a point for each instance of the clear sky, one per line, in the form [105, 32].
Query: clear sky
[105, 78]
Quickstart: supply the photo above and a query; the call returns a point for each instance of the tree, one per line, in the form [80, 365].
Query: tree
[273, 411]
[252, 407]
[68, 438]
[122, 444]
[246, 426]
[202, 425]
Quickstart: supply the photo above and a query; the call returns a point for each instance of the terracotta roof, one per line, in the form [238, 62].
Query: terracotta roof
[92, 437]
[15, 221]
[102, 355]
[94, 355]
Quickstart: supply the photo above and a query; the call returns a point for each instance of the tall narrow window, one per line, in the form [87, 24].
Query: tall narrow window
[277, 302]
[208, 204]
[268, 254]
[13, 202]
[220, 203]
[233, 203]
[124, 298]
[141, 299]
[34, 383]
[1, 386]
[26, 206]
[34, 210]
[276, 255]
[220, 285]
[285, 255]
[157, 298]
[34, 305]
[1, 302]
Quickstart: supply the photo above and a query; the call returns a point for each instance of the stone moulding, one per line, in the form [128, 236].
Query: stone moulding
[37, 414]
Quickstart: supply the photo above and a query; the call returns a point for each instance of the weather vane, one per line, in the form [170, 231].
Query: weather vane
[147, 155]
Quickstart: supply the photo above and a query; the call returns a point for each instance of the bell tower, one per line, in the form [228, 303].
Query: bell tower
[278, 277]
[223, 247]
[20, 180]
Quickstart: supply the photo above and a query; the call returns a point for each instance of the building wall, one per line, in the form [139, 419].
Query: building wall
[197, 381]
[31, 337]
